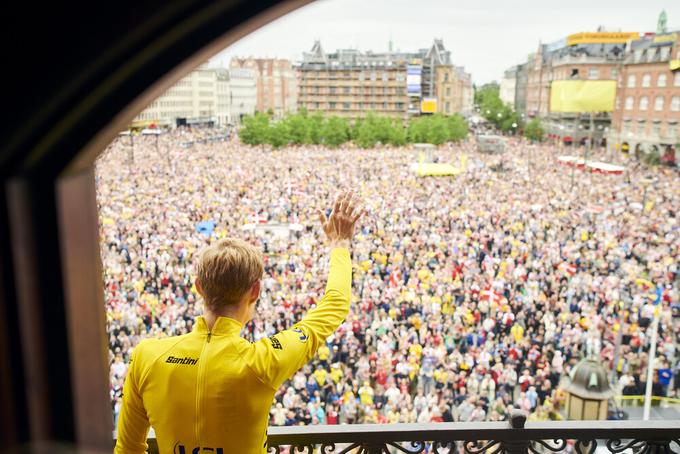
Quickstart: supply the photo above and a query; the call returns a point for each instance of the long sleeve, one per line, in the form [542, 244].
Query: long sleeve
[275, 359]
[133, 424]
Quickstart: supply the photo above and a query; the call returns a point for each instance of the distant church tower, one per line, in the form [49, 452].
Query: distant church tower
[662, 24]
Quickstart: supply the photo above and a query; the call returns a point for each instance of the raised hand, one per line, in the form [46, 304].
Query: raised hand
[339, 226]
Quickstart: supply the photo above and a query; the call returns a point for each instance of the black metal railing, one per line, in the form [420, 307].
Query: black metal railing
[513, 437]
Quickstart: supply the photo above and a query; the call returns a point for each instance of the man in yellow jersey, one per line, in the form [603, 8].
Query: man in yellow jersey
[210, 391]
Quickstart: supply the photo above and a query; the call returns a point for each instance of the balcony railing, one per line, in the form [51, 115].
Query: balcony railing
[513, 437]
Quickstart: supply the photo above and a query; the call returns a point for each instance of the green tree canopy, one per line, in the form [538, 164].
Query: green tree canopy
[302, 128]
[534, 130]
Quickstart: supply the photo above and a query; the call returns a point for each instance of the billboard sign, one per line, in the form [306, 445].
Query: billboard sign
[428, 105]
[582, 95]
[602, 38]
[413, 79]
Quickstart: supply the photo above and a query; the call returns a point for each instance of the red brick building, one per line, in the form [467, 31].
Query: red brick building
[276, 84]
[647, 108]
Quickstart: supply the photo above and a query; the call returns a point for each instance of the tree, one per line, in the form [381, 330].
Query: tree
[298, 128]
[494, 110]
[279, 134]
[534, 130]
[255, 129]
[457, 128]
[335, 131]
[315, 126]
[367, 132]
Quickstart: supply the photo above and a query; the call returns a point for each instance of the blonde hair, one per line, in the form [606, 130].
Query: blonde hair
[227, 269]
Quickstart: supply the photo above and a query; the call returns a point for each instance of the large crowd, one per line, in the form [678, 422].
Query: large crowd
[472, 295]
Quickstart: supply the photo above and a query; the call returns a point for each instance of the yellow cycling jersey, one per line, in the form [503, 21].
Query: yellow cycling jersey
[210, 391]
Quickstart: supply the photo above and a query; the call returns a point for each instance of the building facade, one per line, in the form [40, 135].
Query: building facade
[398, 84]
[508, 86]
[581, 56]
[275, 84]
[587, 61]
[222, 97]
[350, 84]
[647, 111]
[243, 86]
[521, 90]
[204, 97]
[192, 99]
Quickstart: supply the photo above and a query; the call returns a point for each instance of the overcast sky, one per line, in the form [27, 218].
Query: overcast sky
[485, 36]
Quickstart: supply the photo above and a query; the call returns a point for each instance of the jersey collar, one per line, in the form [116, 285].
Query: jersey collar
[223, 325]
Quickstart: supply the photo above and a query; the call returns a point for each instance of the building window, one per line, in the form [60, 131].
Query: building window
[448, 91]
[384, 106]
[615, 73]
[658, 103]
[593, 73]
[629, 103]
[374, 76]
[651, 53]
[646, 80]
[656, 129]
[361, 76]
[448, 107]
[345, 105]
[346, 90]
[317, 105]
[675, 104]
[631, 81]
[400, 106]
[676, 79]
[331, 105]
[626, 127]
[400, 77]
[664, 52]
[446, 77]
[661, 81]
[385, 76]
[672, 130]
[644, 102]
[641, 127]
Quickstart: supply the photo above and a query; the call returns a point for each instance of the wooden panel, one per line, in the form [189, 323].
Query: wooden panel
[85, 313]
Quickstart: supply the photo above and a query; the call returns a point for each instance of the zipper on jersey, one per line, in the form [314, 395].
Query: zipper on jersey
[200, 385]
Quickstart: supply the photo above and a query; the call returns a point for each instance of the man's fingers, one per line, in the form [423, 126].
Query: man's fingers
[360, 212]
[322, 216]
[336, 205]
[344, 203]
[324, 221]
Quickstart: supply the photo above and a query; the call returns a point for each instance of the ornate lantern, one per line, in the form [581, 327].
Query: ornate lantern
[588, 391]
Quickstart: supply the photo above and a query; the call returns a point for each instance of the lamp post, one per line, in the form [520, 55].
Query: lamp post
[650, 365]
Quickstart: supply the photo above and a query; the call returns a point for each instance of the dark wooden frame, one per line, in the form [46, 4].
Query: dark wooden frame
[110, 61]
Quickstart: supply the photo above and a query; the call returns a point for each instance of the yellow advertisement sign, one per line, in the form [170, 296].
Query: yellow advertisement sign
[428, 105]
[665, 38]
[601, 37]
[582, 95]
[674, 64]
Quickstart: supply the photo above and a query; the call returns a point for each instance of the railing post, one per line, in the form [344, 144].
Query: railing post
[518, 444]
